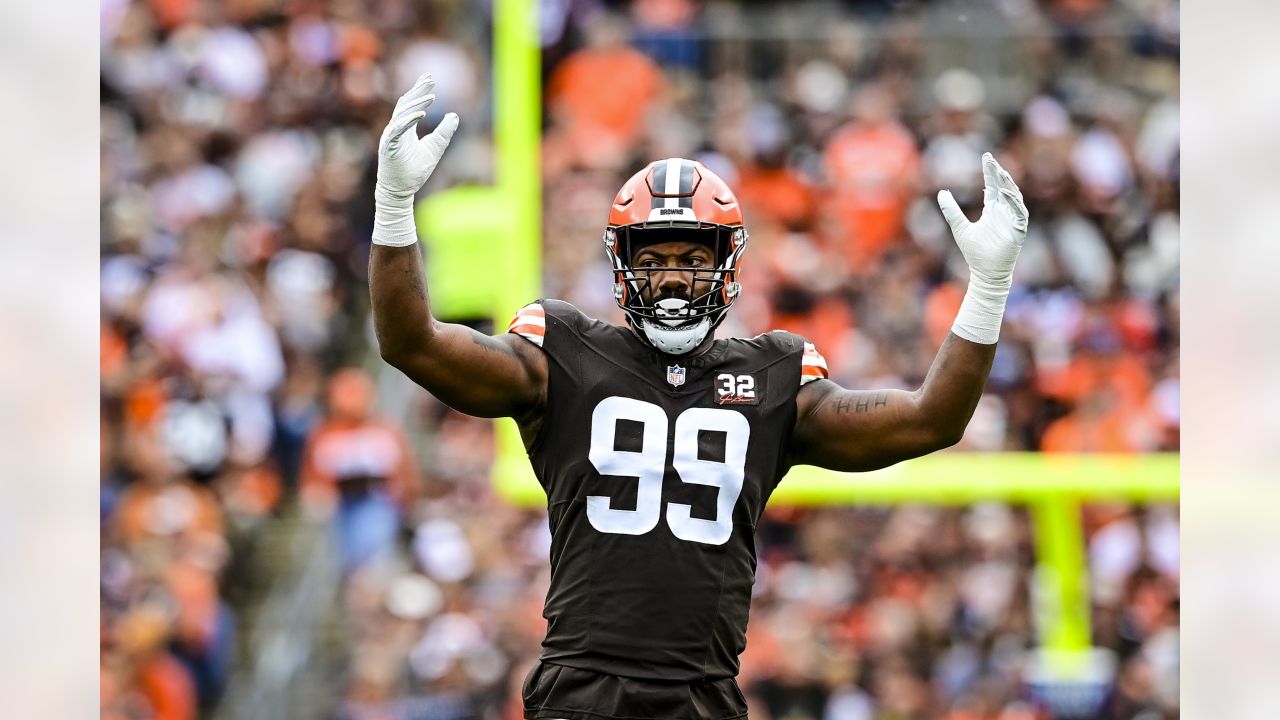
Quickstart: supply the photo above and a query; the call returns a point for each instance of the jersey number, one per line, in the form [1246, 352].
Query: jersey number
[650, 463]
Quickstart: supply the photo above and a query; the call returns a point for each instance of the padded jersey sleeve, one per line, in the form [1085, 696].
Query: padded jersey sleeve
[530, 323]
[812, 365]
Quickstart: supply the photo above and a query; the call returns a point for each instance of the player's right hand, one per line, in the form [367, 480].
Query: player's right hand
[405, 161]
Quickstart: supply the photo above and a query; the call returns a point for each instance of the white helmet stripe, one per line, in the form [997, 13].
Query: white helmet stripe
[673, 182]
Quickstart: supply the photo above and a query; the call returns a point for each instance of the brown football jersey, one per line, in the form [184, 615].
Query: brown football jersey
[656, 469]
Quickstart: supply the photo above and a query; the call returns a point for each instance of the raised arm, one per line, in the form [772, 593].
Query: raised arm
[864, 430]
[469, 371]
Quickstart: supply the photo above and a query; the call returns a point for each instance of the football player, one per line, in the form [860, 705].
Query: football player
[657, 444]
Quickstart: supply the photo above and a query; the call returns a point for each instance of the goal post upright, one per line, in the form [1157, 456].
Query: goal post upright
[517, 122]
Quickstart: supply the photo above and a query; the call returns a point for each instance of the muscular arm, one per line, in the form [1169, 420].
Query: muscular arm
[847, 430]
[855, 430]
[469, 371]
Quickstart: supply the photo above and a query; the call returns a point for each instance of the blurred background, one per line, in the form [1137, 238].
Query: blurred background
[291, 529]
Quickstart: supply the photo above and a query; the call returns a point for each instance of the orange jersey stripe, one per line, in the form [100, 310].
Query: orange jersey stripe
[530, 323]
[528, 329]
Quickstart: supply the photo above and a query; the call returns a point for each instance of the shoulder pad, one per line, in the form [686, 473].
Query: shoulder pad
[812, 365]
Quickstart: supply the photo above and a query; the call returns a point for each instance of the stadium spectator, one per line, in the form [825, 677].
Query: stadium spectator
[872, 167]
[598, 126]
[358, 470]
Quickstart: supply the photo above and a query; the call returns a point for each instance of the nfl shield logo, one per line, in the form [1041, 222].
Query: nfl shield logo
[675, 375]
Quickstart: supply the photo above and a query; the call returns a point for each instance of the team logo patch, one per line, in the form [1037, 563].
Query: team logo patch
[734, 389]
[675, 375]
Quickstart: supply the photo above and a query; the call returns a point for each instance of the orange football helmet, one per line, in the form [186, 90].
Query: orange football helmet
[675, 195]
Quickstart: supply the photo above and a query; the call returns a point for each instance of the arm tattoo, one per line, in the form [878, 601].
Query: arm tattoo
[861, 402]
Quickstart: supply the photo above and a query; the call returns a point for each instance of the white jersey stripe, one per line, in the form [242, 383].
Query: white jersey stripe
[537, 339]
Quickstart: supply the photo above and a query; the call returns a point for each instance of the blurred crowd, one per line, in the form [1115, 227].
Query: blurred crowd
[239, 380]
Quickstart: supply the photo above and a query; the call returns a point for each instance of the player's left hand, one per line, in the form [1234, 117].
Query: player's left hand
[990, 245]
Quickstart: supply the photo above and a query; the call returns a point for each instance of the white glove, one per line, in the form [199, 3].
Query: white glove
[405, 161]
[991, 247]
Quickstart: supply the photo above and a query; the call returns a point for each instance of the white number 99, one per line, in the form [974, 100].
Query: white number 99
[649, 464]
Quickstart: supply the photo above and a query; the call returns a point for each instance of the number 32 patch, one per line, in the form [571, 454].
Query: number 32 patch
[731, 389]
